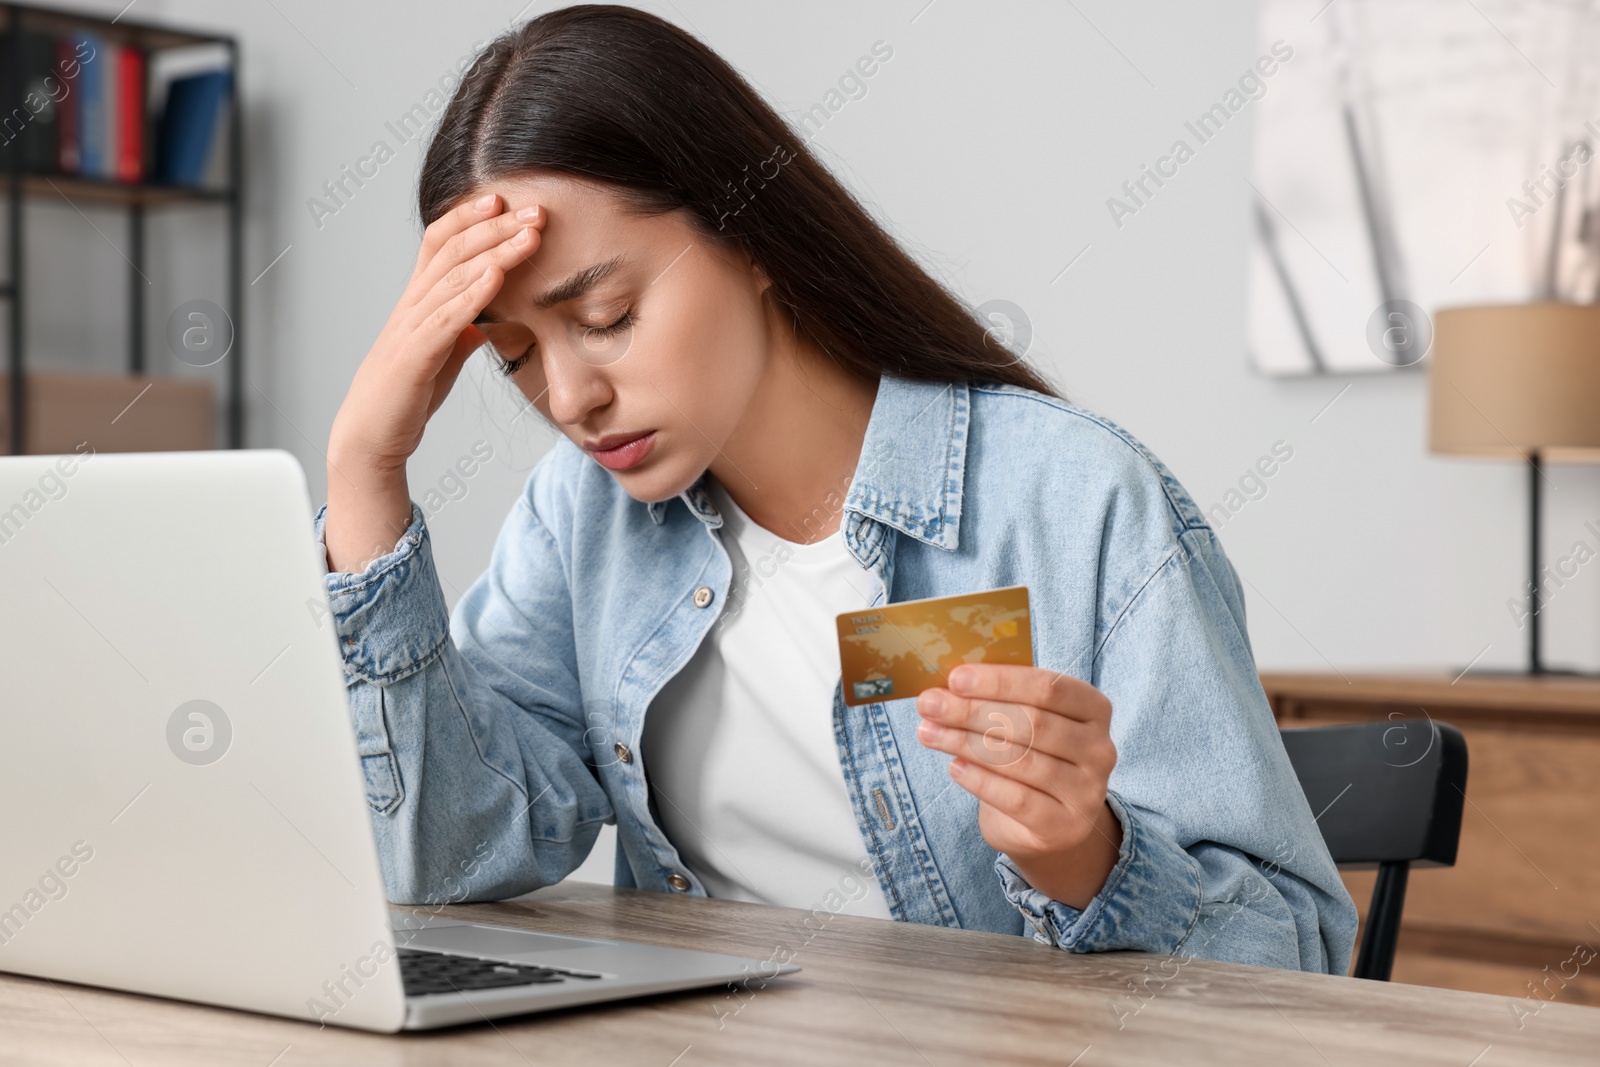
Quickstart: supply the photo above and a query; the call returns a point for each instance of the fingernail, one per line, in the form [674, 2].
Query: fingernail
[931, 703]
[958, 767]
[522, 238]
[960, 680]
[485, 202]
[929, 732]
[528, 214]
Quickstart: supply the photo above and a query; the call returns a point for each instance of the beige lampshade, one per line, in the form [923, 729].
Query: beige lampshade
[1509, 380]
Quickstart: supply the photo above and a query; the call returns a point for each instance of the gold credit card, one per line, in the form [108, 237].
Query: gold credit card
[898, 650]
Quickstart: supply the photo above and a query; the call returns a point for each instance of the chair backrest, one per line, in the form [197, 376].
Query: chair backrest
[1384, 792]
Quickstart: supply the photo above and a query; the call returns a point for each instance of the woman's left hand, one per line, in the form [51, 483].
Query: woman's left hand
[1034, 746]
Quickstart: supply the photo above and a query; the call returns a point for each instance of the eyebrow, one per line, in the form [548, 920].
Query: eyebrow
[570, 288]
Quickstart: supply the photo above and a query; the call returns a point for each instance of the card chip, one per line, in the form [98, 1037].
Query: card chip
[877, 687]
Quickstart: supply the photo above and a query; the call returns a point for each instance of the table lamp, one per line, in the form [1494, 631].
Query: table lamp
[1518, 382]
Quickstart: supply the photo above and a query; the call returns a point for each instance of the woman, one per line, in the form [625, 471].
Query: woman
[770, 415]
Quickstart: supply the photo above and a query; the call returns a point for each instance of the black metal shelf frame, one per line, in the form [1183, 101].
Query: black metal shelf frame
[138, 200]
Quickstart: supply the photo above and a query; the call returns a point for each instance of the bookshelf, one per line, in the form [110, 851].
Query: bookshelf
[54, 399]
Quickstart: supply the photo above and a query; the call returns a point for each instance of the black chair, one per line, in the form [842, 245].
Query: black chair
[1387, 795]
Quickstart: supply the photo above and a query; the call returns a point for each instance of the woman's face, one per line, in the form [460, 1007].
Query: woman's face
[640, 338]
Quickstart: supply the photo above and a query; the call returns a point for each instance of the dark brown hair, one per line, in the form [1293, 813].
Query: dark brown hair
[617, 95]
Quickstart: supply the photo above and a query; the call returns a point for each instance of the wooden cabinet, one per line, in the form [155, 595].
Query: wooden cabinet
[112, 413]
[1520, 911]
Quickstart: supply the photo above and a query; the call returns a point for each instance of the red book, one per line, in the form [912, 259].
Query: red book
[67, 111]
[129, 119]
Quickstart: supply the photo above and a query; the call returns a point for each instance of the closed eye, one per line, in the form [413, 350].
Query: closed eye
[592, 335]
[512, 344]
[605, 333]
[510, 367]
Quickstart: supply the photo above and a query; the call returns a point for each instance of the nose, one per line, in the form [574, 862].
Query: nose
[575, 389]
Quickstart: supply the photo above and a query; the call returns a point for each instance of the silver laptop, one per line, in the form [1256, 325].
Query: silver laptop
[182, 812]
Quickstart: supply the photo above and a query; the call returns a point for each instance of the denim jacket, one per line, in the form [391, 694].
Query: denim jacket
[496, 740]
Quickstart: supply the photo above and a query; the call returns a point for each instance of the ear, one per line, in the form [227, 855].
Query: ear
[763, 283]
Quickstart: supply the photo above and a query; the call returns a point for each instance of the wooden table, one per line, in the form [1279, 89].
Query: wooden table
[1524, 896]
[871, 991]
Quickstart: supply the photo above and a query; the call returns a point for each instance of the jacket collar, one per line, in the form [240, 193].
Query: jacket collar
[913, 459]
[912, 464]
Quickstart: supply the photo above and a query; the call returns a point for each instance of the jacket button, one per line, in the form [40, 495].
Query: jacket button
[623, 752]
[702, 596]
[678, 882]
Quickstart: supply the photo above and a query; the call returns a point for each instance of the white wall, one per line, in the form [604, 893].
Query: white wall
[991, 142]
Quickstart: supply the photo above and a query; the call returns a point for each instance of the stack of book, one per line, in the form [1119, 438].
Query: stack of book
[86, 113]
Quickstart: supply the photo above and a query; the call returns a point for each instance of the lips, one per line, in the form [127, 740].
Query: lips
[619, 451]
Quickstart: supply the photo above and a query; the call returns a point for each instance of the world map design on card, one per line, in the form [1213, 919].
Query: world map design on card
[898, 650]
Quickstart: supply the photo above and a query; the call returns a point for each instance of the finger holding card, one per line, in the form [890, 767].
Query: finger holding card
[1009, 711]
[1034, 746]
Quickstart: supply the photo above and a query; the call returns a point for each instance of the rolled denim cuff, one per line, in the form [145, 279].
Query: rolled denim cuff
[391, 618]
[1150, 901]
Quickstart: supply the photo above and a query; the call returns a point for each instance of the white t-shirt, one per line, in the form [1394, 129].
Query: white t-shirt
[738, 748]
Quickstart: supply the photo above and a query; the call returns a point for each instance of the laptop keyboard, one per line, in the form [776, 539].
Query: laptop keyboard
[423, 972]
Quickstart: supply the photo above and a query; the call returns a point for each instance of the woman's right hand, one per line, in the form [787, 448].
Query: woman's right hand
[410, 370]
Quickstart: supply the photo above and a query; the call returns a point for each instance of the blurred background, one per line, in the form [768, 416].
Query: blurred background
[991, 143]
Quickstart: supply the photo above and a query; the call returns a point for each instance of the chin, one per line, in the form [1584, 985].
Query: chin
[654, 482]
